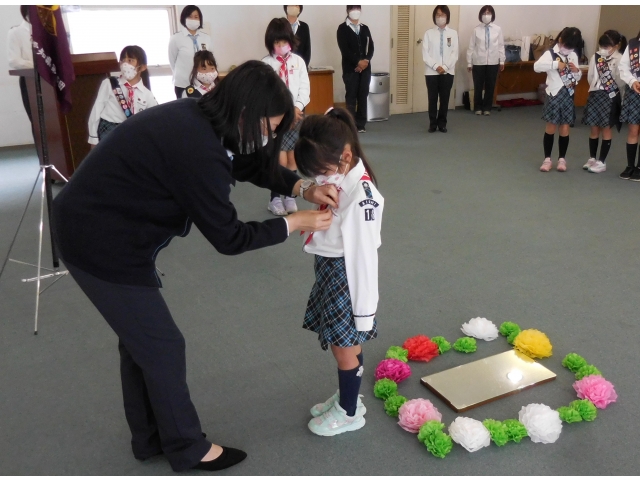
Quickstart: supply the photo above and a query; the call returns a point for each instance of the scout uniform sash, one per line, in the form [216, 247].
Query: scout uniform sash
[117, 91]
[566, 75]
[607, 82]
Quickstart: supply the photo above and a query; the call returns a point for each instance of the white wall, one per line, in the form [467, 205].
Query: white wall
[518, 21]
[14, 123]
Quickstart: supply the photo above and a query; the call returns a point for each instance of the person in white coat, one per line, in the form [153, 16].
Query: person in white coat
[342, 305]
[20, 53]
[440, 54]
[183, 46]
[485, 57]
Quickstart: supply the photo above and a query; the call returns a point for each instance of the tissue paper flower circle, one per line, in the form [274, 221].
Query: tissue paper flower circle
[439, 444]
[465, 345]
[569, 415]
[392, 405]
[398, 353]
[533, 343]
[596, 389]
[586, 409]
[497, 430]
[414, 413]
[443, 345]
[469, 433]
[509, 330]
[515, 430]
[428, 428]
[480, 328]
[587, 370]
[573, 362]
[542, 423]
[420, 348]
[393, 370]
[385, 388]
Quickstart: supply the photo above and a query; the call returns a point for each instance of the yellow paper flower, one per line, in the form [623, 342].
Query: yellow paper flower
[533, 343]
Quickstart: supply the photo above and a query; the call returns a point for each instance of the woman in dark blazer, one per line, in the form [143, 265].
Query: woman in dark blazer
[301, 31]
[165, 169]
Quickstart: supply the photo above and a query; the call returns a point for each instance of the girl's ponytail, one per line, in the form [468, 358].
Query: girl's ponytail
[144, 76]
[624, 43]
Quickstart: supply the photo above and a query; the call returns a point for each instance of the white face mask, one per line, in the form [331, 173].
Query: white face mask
[192, 24]
[354, 14]
[207, 78]
[565, 51]
[486, 19]
[605, 52]
[128, 71]
[293, 10]
[441, 21]
[334, 179]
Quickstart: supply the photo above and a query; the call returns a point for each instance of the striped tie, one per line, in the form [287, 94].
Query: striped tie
[486, 37]
[441, 43]
[195, 42]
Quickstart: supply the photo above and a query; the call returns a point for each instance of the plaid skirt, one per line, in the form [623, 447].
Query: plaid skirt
[601, 110]
[104, 127]
[560, 109]
[290, 138]
[329, 312]
[630, 107]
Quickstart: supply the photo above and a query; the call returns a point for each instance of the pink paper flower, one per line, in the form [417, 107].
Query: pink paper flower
[596, 389]
[393, 369]
[414, 413]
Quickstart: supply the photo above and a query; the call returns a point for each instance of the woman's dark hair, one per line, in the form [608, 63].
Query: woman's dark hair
[351, 7]
[484, 9]
[321, 142]
[571, 37]
[24, 11]
[444, 9]
[277, 30]
[202, 59]
[242, 101]
[188, 10]
[134, 51]
[285, 8]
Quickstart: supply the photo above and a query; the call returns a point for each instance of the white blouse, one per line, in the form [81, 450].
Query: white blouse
[19, 51]
[299, 84]
[625, 69]
[181, 52]
[546, 64]
[431, 54]
[478, 54]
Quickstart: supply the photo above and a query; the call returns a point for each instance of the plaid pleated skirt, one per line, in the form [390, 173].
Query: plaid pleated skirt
[291, 137]
[329, 311]
[560, 109]
[601, 110]
[104, 127]
[630, 107]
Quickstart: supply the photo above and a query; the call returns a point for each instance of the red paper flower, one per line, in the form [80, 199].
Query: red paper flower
[421, 348]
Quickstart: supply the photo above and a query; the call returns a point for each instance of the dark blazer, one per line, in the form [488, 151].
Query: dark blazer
[354, 47]
[304, 45]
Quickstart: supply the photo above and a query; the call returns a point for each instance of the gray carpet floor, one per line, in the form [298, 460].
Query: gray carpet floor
[471, 228]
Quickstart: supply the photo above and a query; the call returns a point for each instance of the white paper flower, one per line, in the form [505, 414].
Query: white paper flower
[480, 328]
[469, 433]
[542, 423]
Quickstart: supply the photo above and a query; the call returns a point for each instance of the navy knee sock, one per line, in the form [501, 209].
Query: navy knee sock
[631, 154]
[593, 147]
[274, 195]
[547, 143]
[563, 144]
[349, 384]
[604, 150]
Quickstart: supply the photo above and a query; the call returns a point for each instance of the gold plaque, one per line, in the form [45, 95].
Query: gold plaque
[483, 381]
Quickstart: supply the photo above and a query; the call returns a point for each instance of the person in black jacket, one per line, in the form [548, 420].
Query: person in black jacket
[356, 47]
[153, 177]
[301, 31]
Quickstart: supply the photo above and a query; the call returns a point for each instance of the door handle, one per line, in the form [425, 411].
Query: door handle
[419, 41]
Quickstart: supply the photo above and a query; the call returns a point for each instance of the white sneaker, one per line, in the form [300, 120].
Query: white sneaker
[486, 114]
[320, 408]
[276, 207]
[335, 421]
[590, 163]
[598, 167]
[478, 112]
[290, 205]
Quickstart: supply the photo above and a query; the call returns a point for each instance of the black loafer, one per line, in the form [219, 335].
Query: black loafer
[443, 129]
[228, 458]
[627, 173]
[432, 129]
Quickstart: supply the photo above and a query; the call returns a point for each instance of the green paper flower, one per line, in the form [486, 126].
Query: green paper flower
[498, 431]
[398, 353]
[465, 344]
[569, 415]
[573, 362]
[443, 345]
[515, 430]
[393, 404]
[439, 444]
[428, 428]
[385, 388]
[509, 330]
[587, 370]
[586, 409]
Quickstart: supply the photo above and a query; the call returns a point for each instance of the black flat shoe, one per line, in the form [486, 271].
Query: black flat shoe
[228, 458]
[443, 129]
[431, 129]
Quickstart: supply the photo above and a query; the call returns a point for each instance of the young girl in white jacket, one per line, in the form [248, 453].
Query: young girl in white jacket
[343, 302]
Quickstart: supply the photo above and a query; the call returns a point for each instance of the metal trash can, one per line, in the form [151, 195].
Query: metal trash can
[378, 100]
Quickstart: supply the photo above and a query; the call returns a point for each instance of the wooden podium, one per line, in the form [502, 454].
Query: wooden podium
[67, 135]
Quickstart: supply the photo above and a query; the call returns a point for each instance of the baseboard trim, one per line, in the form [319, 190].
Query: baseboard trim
[28, 146]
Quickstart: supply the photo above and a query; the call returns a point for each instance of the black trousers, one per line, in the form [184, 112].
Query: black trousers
[179, 91]
[438, 88]
[357, 90]
[484, 78]
[25, 97]
[157, 404]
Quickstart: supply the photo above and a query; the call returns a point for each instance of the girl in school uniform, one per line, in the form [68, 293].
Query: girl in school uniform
[279, 41]
[203, 75]
[603, 106]
[440, 54]
[630, 74]
[343, 301]
[184, 44]
[121, 97]
[560, 63]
